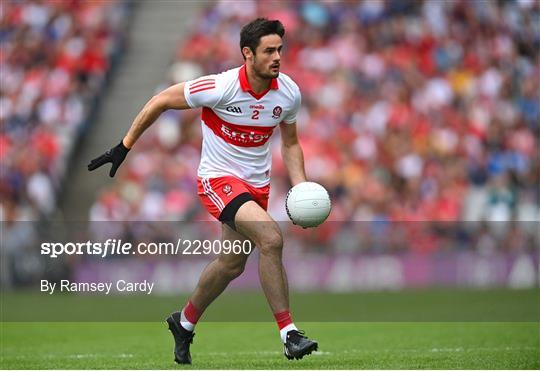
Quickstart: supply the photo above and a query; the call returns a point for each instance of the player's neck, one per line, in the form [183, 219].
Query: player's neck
[257, 83]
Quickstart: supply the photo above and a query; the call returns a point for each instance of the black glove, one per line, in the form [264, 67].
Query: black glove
[115, 155]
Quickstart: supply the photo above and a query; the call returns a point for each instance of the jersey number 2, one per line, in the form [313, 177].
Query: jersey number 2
[255, 115]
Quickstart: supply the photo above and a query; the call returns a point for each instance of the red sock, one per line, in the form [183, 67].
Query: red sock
[283, 318]
[191, 313]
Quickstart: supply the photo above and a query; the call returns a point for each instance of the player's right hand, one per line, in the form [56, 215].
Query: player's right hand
[114, 155]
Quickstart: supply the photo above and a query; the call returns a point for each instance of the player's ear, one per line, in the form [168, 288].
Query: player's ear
[248, 54]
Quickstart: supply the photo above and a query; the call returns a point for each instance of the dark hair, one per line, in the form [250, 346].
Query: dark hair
[252, 32]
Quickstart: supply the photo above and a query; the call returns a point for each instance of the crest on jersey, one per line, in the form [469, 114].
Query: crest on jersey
[227, 189]
[277, 112]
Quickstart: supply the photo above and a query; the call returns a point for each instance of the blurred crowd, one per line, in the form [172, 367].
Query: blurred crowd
[54, 60]
[412, 111]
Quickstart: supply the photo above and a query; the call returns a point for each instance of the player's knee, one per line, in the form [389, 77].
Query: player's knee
[271, 243]
[236, 270]
[233, 270]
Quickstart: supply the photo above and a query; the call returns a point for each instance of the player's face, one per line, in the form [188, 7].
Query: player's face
[267, 59]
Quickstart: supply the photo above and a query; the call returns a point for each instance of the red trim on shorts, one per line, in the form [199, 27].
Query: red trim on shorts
[216, 193]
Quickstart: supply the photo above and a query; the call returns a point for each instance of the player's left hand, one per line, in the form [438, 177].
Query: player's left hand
[115, 155]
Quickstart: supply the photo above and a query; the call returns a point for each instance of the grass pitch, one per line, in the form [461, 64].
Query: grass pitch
[256, 346]
[418, 329]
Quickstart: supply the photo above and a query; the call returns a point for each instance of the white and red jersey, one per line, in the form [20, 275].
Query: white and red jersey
[237, 123]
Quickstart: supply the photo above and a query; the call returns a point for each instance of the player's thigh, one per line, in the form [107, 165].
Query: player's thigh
[237, 257]
[255, 223]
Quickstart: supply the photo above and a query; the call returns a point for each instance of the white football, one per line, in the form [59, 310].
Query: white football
[308, 204]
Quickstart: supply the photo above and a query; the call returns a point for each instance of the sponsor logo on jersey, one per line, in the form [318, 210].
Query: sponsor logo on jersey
[238, 135]
[256, 106]
[243, 137]
[277, 112]
[234, 109]
[227, 189]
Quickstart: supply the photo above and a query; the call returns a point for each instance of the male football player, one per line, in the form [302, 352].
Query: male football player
[240, 109]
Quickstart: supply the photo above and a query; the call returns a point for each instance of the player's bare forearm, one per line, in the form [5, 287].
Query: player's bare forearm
[170, 98]
[292, 153]
[143, 120]
[293, 157]
[294, 162]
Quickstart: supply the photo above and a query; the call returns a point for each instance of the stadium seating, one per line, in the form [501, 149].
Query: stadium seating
[420, 113]
[55, 57]
[412, 112]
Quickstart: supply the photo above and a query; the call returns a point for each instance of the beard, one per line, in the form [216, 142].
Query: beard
[263, 72]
